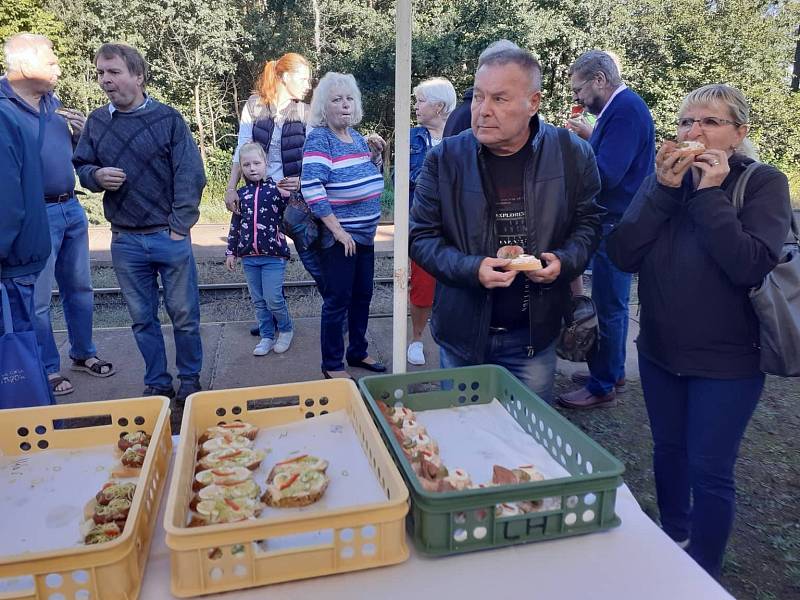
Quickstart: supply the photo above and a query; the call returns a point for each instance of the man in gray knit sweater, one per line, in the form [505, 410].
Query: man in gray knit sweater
[141, 153]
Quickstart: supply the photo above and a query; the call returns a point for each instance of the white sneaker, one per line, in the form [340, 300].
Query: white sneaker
[284, 341]
[415, 353]
[263, 347]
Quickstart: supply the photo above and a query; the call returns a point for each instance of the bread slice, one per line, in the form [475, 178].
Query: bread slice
[524, 262]
[236, 427]
[296, 464]
[229, 476]
[212, 512]
[246, 489]
[690, 148]
[229, 441]
[294, 489]
[226, 459]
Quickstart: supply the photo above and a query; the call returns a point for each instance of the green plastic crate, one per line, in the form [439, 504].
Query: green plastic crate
[456, 522]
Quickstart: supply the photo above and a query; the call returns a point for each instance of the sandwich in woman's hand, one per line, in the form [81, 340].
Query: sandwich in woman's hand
[519, 260]
[690, 148]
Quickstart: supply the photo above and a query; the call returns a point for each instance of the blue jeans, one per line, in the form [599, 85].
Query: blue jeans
[697, 425]
[310, 260]
[611, 292]
[347, 294]
[138, 260]
[508, 350]
[69, 266]
[264, 276]
[21, 293]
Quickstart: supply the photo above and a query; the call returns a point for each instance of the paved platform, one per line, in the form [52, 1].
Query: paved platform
[210, 241]
[228, 361]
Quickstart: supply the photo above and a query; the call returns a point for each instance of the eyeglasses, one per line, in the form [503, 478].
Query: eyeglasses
[577, 90]
[705, 123]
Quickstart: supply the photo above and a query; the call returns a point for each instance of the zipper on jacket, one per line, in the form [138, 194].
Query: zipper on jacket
[255, 218]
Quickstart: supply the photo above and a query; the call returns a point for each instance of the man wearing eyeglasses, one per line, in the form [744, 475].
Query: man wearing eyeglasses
[623, 140]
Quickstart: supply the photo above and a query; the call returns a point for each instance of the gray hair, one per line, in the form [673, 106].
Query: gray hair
[517, 56]
[730, 97]
[22, 50]
[438, 89]
[594, 62]
[495, 47]
[334, 82]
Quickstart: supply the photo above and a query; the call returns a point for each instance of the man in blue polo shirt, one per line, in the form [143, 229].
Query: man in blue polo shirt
[31, 75]
[623, 140]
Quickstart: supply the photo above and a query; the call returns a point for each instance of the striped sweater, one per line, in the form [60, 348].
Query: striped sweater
[339, 178]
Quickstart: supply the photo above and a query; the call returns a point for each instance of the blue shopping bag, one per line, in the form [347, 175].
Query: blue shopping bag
[22, 378]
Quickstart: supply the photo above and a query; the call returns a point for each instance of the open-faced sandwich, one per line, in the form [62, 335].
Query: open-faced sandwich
[226, 442]
[223, 476]
[245, 489]
[211, 512]
[236, 428]
[102, 533]
[519, 260]
[288, 489]
[113, 490]
[133, 457]
[227, 459]
[302, 462]
[132, 439]
[115, 511]
[690, 148]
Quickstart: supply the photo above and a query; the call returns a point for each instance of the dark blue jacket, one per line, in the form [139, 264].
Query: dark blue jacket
[257, 231]
[420, 143]
[697, 259]
[452, 229]
[624, 143]
[293, 135]
[24, 228]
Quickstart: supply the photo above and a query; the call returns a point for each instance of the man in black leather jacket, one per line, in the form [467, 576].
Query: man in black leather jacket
[510, 180]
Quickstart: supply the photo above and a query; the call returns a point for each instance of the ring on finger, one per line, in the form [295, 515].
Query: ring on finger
[715, 162]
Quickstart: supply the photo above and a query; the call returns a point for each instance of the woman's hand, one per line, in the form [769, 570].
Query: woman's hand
[346, 240]
[232, 201]
[376, 147]
[290, 184]
[230, 262]
[670, 165]
[714, 168]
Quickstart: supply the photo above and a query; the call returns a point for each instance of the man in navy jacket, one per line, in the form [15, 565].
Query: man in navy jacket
[623, 140]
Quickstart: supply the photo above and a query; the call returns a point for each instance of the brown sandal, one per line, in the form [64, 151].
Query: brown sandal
[57, 381]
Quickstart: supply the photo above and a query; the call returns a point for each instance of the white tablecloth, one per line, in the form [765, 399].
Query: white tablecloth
[636, 560]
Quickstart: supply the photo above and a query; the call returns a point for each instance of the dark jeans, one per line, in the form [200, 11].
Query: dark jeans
[508, 350]
[697, 425]
[311, 261]
[611, 292]
[138, 261]
[347, 294]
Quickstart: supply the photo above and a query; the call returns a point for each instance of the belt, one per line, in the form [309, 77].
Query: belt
[59, 198]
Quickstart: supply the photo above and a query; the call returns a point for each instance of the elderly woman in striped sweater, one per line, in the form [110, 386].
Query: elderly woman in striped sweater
[342, 186]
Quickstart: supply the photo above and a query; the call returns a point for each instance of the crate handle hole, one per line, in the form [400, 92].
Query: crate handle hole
[588, 516]
[82, 422]
[80, 576]
[274, 402]
[460, 535]
[479, 533]
[216, 574]
[589, 499]
[369, 549]
[53, 581]
[589, 467]
[347, 552]
[83, 594]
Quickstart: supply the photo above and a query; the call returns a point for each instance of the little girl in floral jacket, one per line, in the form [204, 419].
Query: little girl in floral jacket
[256, 237]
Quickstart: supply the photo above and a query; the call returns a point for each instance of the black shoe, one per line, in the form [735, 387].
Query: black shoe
[375, 367]
[187, 387]
[156, 391]
[327, 375]
[255, 331]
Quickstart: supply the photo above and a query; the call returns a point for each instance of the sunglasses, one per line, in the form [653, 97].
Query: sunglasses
[705, 123]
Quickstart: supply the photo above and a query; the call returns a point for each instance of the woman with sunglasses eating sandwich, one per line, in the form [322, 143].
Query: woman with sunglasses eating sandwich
[697, 258]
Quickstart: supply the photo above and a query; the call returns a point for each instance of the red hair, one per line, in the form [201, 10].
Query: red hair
[273, 71]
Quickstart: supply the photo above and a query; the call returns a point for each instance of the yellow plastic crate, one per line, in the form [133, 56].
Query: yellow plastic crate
[110, 571]
[227, 557]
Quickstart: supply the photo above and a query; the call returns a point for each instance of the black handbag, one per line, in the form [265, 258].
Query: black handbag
[776, 301]
[578, 338]
[299, 223]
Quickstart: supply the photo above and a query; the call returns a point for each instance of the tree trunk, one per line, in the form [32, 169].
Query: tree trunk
[235, 98]
[317, 29]
[201, 134]
[212, 120]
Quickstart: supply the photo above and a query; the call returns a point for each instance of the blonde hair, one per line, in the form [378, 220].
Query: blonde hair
[730, 97]
[438, 89]
[330, 83]
[272, 74]
[252, 147]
